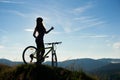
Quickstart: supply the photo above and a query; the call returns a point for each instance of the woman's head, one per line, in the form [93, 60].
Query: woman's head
[39, 19]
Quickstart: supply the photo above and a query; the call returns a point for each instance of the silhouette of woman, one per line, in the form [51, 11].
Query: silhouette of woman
[38, 33]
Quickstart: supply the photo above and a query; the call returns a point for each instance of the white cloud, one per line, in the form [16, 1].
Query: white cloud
[11, 2]
[116, 45]
[82, 9]
[89, 21]
[80, 23]
[17, 13]
[98, 36]
[94, 36]
[29, 30]
[1, 46]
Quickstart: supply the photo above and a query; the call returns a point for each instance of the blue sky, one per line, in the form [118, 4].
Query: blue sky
[87, 28]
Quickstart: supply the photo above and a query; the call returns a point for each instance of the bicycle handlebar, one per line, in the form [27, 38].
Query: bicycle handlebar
[53, 43]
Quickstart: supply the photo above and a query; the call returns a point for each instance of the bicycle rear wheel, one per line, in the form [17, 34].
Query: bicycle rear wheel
[54, 60]
[29, 54]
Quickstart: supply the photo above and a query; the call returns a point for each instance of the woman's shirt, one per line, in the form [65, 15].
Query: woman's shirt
[41, 31]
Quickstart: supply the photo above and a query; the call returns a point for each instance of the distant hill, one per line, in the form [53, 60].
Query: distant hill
[87, 64]
[6, 61]
[41, 72]
[112, 67]
[108, 72]
[110, 60]
[9, 63]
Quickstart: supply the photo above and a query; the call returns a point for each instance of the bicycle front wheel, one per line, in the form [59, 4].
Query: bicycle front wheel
[29, 54]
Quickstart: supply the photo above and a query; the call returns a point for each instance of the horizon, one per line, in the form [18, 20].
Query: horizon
[87, 29]
[69, 59]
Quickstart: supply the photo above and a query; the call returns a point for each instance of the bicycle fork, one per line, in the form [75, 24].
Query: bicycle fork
[54, 59]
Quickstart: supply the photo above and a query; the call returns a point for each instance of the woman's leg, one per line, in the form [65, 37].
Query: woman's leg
[38, 50]
[42, 50]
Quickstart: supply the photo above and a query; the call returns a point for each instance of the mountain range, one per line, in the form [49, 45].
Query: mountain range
[88, 64]
[85, 64]
[9, 62]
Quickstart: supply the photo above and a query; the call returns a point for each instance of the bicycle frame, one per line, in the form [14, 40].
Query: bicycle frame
[45, 53]
[50, 49]
[53, 52]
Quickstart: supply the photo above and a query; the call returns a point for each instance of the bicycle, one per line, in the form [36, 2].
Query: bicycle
[30, 52]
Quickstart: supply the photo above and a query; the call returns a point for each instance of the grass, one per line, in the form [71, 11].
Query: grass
[41, 72]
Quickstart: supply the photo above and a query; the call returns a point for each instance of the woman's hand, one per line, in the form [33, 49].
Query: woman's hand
[52, 28]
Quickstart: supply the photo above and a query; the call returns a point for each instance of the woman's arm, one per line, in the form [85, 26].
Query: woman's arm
[49, 30]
